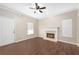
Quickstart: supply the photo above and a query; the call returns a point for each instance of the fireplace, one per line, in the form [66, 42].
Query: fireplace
[50, 35]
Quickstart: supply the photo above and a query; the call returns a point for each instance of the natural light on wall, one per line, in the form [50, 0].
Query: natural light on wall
[30, 28]
[67, 28]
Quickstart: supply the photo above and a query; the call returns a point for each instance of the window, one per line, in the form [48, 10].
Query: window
[67, 28]
[30, 28]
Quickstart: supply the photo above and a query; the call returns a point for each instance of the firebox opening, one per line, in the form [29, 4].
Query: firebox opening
[50, 35]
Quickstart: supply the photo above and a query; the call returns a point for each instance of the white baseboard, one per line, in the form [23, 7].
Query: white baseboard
[23, 39]
[14, 42]
[30, 38]
[77, 44]
[6, 44]
[20, 40]
[68, 42]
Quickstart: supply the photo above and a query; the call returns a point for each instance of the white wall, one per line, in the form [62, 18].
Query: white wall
[21, 27]
[47, 23]
[56, 21]
[7, 20]
[20, 24]
[78, 27]
[52, 21]
[7, 30]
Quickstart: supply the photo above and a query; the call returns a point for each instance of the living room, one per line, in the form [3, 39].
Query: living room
[32, 23]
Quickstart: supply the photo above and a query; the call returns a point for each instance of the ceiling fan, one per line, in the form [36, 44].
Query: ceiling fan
[38, 8]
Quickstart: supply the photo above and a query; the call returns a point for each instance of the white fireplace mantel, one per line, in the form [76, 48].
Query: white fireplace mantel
[52, 30]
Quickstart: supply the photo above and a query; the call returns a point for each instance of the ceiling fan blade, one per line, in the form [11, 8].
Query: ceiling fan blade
[37, 6]
[42, 8]
[40, 11]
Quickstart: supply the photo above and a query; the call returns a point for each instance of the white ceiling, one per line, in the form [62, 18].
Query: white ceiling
[51, 8]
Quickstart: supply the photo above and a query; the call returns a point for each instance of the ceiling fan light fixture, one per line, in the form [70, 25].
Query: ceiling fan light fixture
[38, 8]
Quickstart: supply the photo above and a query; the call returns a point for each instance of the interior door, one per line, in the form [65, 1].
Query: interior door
[6, 30]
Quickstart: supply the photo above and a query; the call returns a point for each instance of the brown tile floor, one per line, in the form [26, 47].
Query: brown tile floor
[38, 46]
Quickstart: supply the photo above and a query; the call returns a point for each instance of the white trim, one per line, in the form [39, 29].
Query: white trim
[14, 12]
[30, 38]
[15, 42]
[68, 42]
[6, 44]
[65, 42]
[49, 39]
[20, 40]
[77, 45]
[12, 42]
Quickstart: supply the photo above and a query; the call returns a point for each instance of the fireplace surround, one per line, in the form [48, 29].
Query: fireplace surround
[51, 34]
